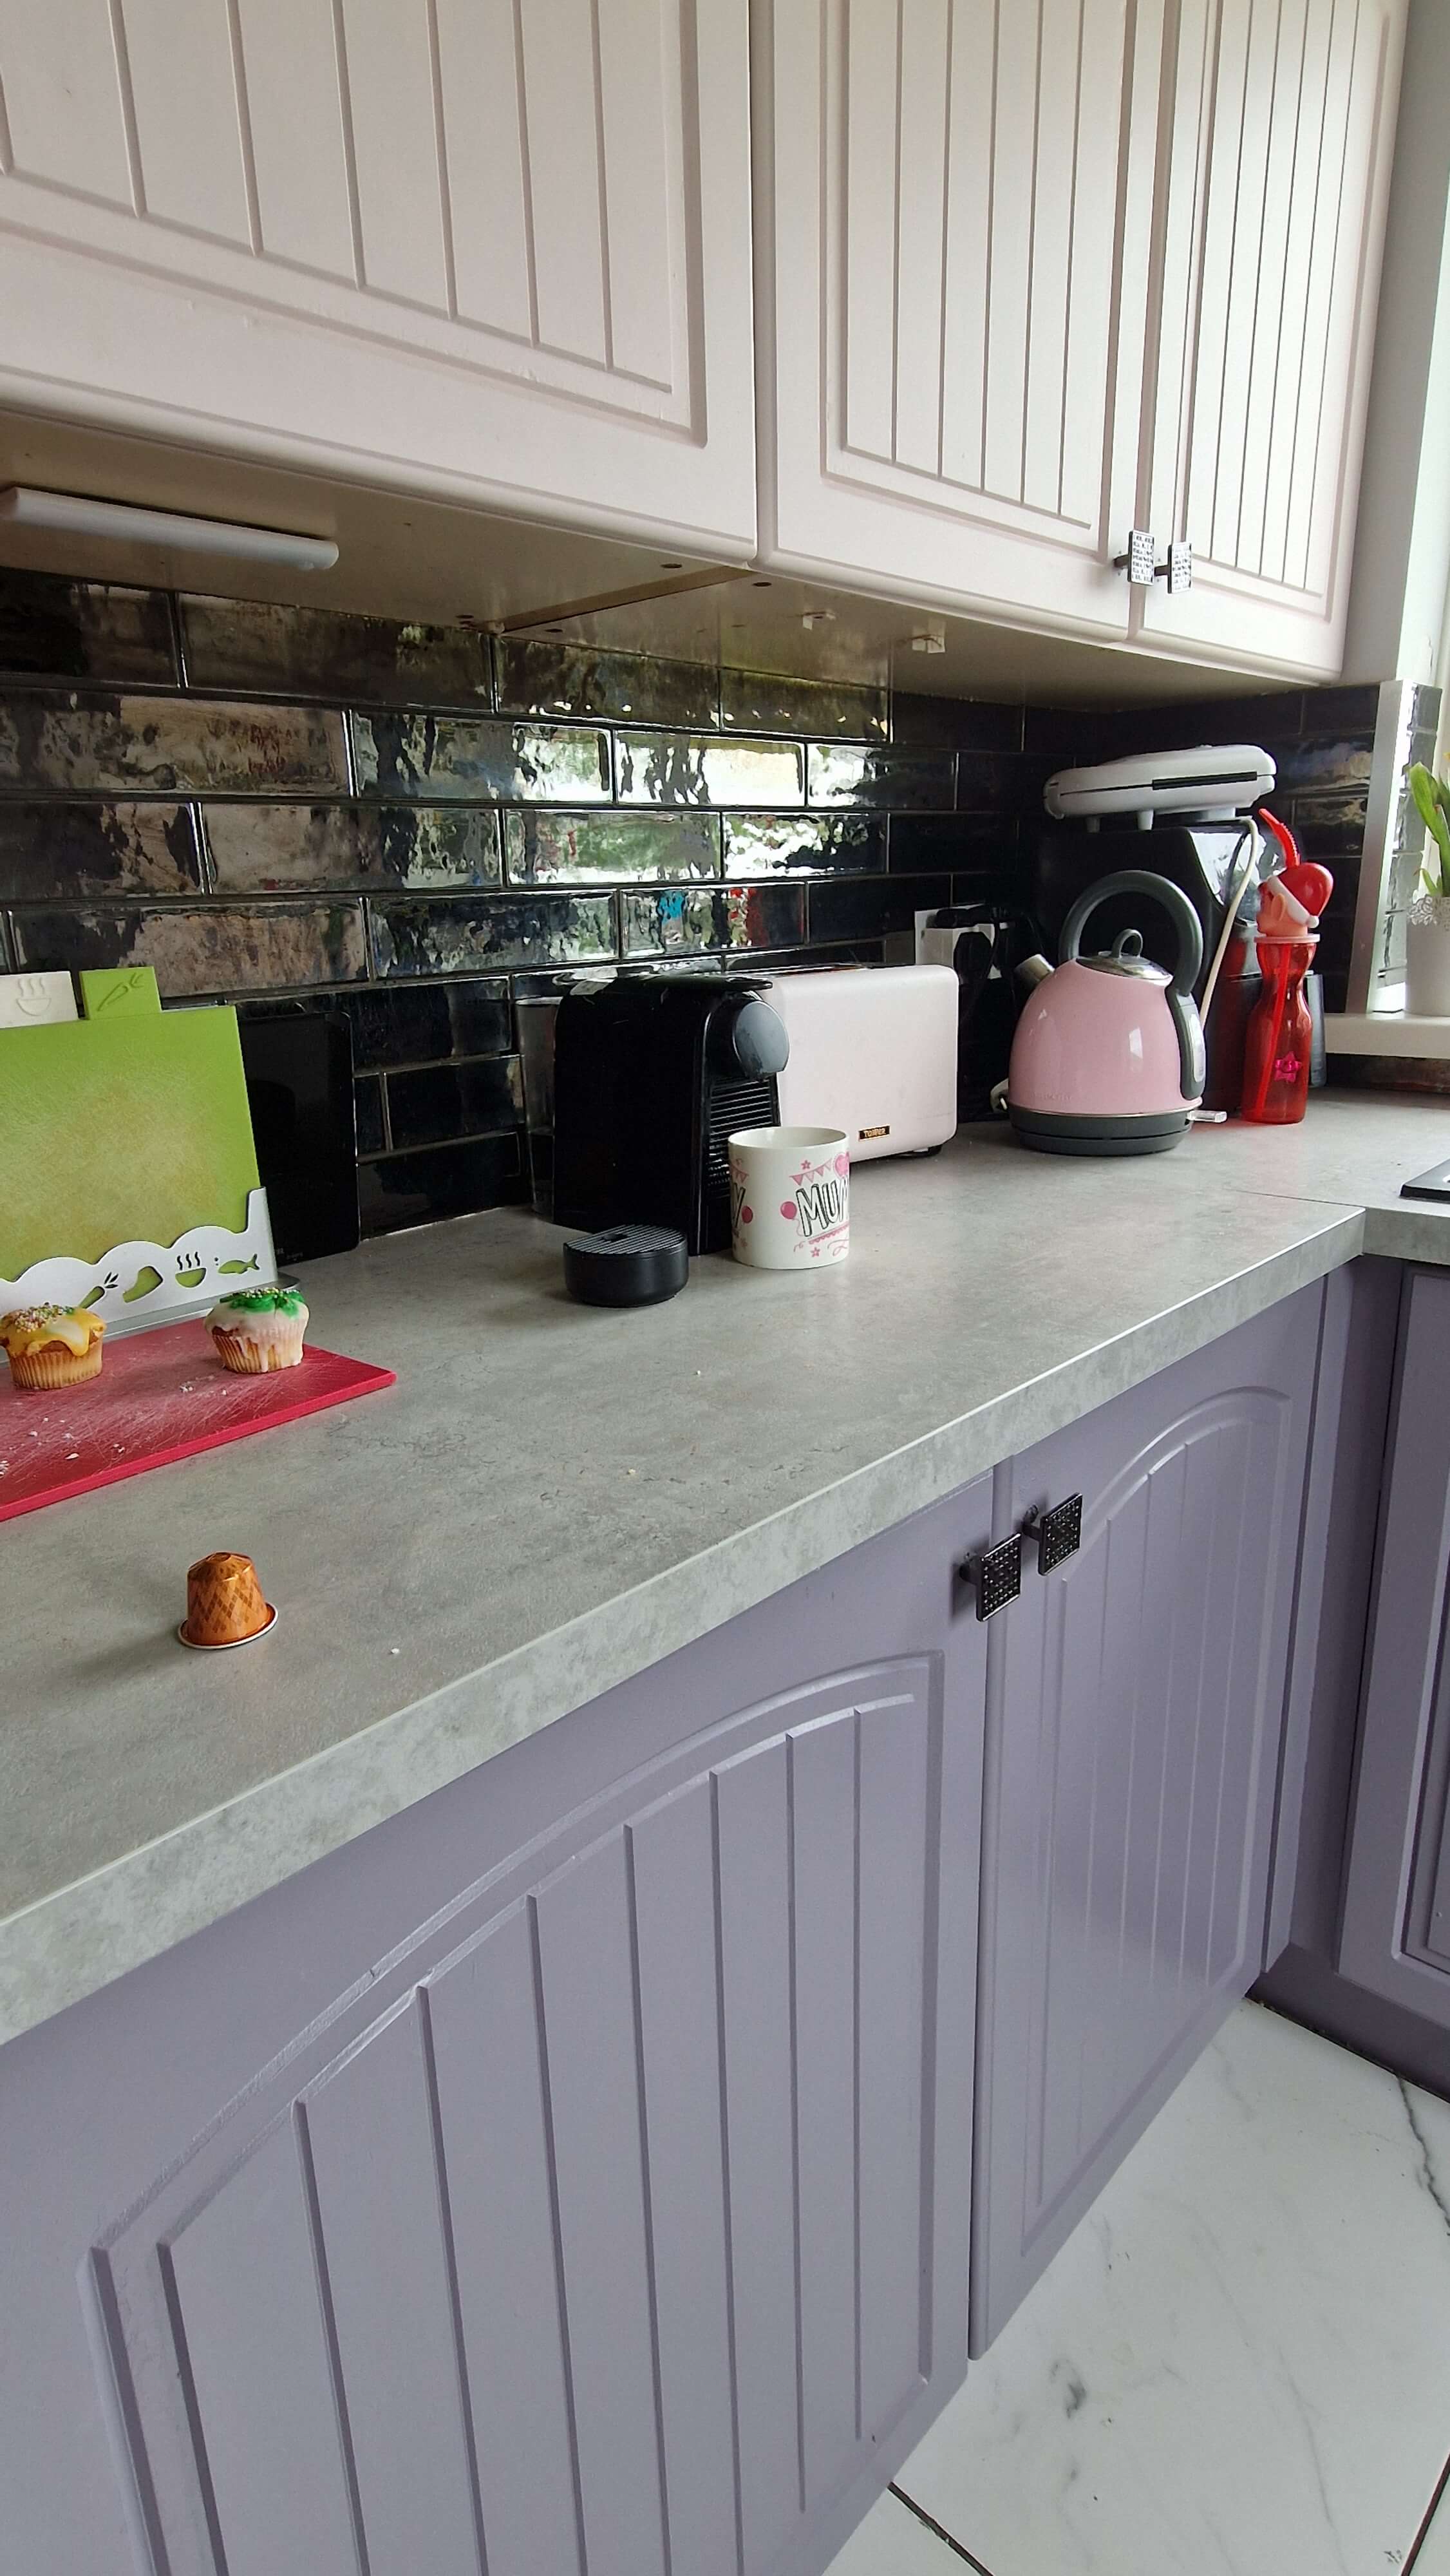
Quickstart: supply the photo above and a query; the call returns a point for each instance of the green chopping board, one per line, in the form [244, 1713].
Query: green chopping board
[123, 1128]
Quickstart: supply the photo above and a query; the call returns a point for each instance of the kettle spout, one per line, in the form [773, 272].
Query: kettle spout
[1034, 970]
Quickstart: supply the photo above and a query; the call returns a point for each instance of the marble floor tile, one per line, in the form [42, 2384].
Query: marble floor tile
[1241, 2361]
[892, 2542]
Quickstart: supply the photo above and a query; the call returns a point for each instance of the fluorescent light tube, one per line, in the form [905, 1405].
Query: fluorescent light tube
[75, 514]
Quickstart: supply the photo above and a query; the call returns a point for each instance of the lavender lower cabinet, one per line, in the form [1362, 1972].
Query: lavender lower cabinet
[1394, 1936]
[1135, 1719]
[616, 2219]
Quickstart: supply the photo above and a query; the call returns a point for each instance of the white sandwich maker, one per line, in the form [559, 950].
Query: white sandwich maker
[1215, 781]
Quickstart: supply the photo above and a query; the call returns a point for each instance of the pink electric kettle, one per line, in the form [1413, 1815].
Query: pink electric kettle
[1108, 1053]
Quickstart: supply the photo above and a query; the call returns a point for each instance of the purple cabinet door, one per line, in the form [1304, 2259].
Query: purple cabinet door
[613, 2218]
[1135, 1720]
[1395, 1930]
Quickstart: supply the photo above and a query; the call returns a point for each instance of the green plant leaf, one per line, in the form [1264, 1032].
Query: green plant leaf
[1432, 803]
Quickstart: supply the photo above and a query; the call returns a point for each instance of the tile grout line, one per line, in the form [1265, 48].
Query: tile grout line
[932, 2525]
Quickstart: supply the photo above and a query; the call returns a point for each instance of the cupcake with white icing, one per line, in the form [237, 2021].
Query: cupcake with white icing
[259, 1329]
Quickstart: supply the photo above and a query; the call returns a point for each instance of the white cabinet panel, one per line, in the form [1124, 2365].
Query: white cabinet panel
[450, 243]
[1279, 130]
[956, 203]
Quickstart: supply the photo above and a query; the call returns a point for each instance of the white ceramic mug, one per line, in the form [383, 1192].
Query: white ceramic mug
[790, 1197]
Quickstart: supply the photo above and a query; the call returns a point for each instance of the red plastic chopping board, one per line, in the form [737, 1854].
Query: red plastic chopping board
[159, 1396]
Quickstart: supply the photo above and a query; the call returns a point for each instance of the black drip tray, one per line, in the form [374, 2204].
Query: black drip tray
[1429, 1185]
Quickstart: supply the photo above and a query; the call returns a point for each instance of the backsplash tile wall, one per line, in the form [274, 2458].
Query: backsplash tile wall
[426, 827]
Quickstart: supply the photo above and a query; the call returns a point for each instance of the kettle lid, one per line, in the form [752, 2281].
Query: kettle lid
[1126, 957]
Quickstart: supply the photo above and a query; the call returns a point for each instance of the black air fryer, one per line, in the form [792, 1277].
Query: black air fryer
[651, 1074]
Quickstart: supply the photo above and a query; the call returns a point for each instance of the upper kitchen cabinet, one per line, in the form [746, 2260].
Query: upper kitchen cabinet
[494, 254]
[1279, 127]
[1033, 272]
[954, 227]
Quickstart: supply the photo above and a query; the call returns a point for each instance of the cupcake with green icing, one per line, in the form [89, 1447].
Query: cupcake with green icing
[259, 1329]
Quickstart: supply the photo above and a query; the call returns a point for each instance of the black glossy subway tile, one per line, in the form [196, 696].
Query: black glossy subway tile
[926, 841]
[367, 1094]
[537, 1017]
[89, 744]
[1115, 733]
[841, 952]
[1341, 710]
[396, 1024]
[252, 647]
[441, 1181]
[537, 677]
[1066, 736]
[257, 848]
[765, 702]
[691, 769]
[1322, 762]
[206, 948]
[1328, 827]
[700, 919]
[544, 847]
[855, 774]
[870, 907]
[63, 853]
[465, 760]
[463, 937]
[954, 724]
[444, 1101]
[804, 845]
[52, 628]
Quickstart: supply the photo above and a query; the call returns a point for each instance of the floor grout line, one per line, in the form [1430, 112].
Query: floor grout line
[1442, 2486]
[942, 2533]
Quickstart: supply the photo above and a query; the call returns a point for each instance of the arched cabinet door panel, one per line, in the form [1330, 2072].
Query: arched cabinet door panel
[621, 2218]
[1394, 1934]
[1134, 1746]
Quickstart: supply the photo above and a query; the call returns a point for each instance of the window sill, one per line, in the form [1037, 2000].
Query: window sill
[1385, 1033]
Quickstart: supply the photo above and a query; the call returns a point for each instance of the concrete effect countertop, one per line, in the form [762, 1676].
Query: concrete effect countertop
[554, 1497]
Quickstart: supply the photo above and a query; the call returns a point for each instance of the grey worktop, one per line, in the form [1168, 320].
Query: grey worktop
[552, 1498]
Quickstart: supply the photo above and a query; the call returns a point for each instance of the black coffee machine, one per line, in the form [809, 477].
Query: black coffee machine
[651, 1074]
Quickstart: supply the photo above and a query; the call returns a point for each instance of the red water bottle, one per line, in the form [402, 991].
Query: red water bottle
[1279, 1036]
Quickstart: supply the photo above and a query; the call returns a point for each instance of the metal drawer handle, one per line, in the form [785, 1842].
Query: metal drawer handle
[995, 1576]
[1057, 1534]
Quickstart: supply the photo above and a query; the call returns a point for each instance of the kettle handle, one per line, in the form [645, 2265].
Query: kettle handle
[1179, 997]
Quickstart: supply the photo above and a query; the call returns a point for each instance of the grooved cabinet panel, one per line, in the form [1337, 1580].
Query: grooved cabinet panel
[962, 221]
[612, 2224]
[472, 244]
[1134, 1742]
[1395, 1933]
[1280, 119]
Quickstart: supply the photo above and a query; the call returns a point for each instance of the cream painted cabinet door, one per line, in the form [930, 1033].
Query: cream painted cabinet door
[954, 221]
[1279, 128]
[494, 253]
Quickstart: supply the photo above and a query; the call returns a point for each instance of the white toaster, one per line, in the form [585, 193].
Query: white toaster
[873, 1049]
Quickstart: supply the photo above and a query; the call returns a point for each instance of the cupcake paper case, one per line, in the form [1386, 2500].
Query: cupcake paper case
[51, 1346]
[259, 1329]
